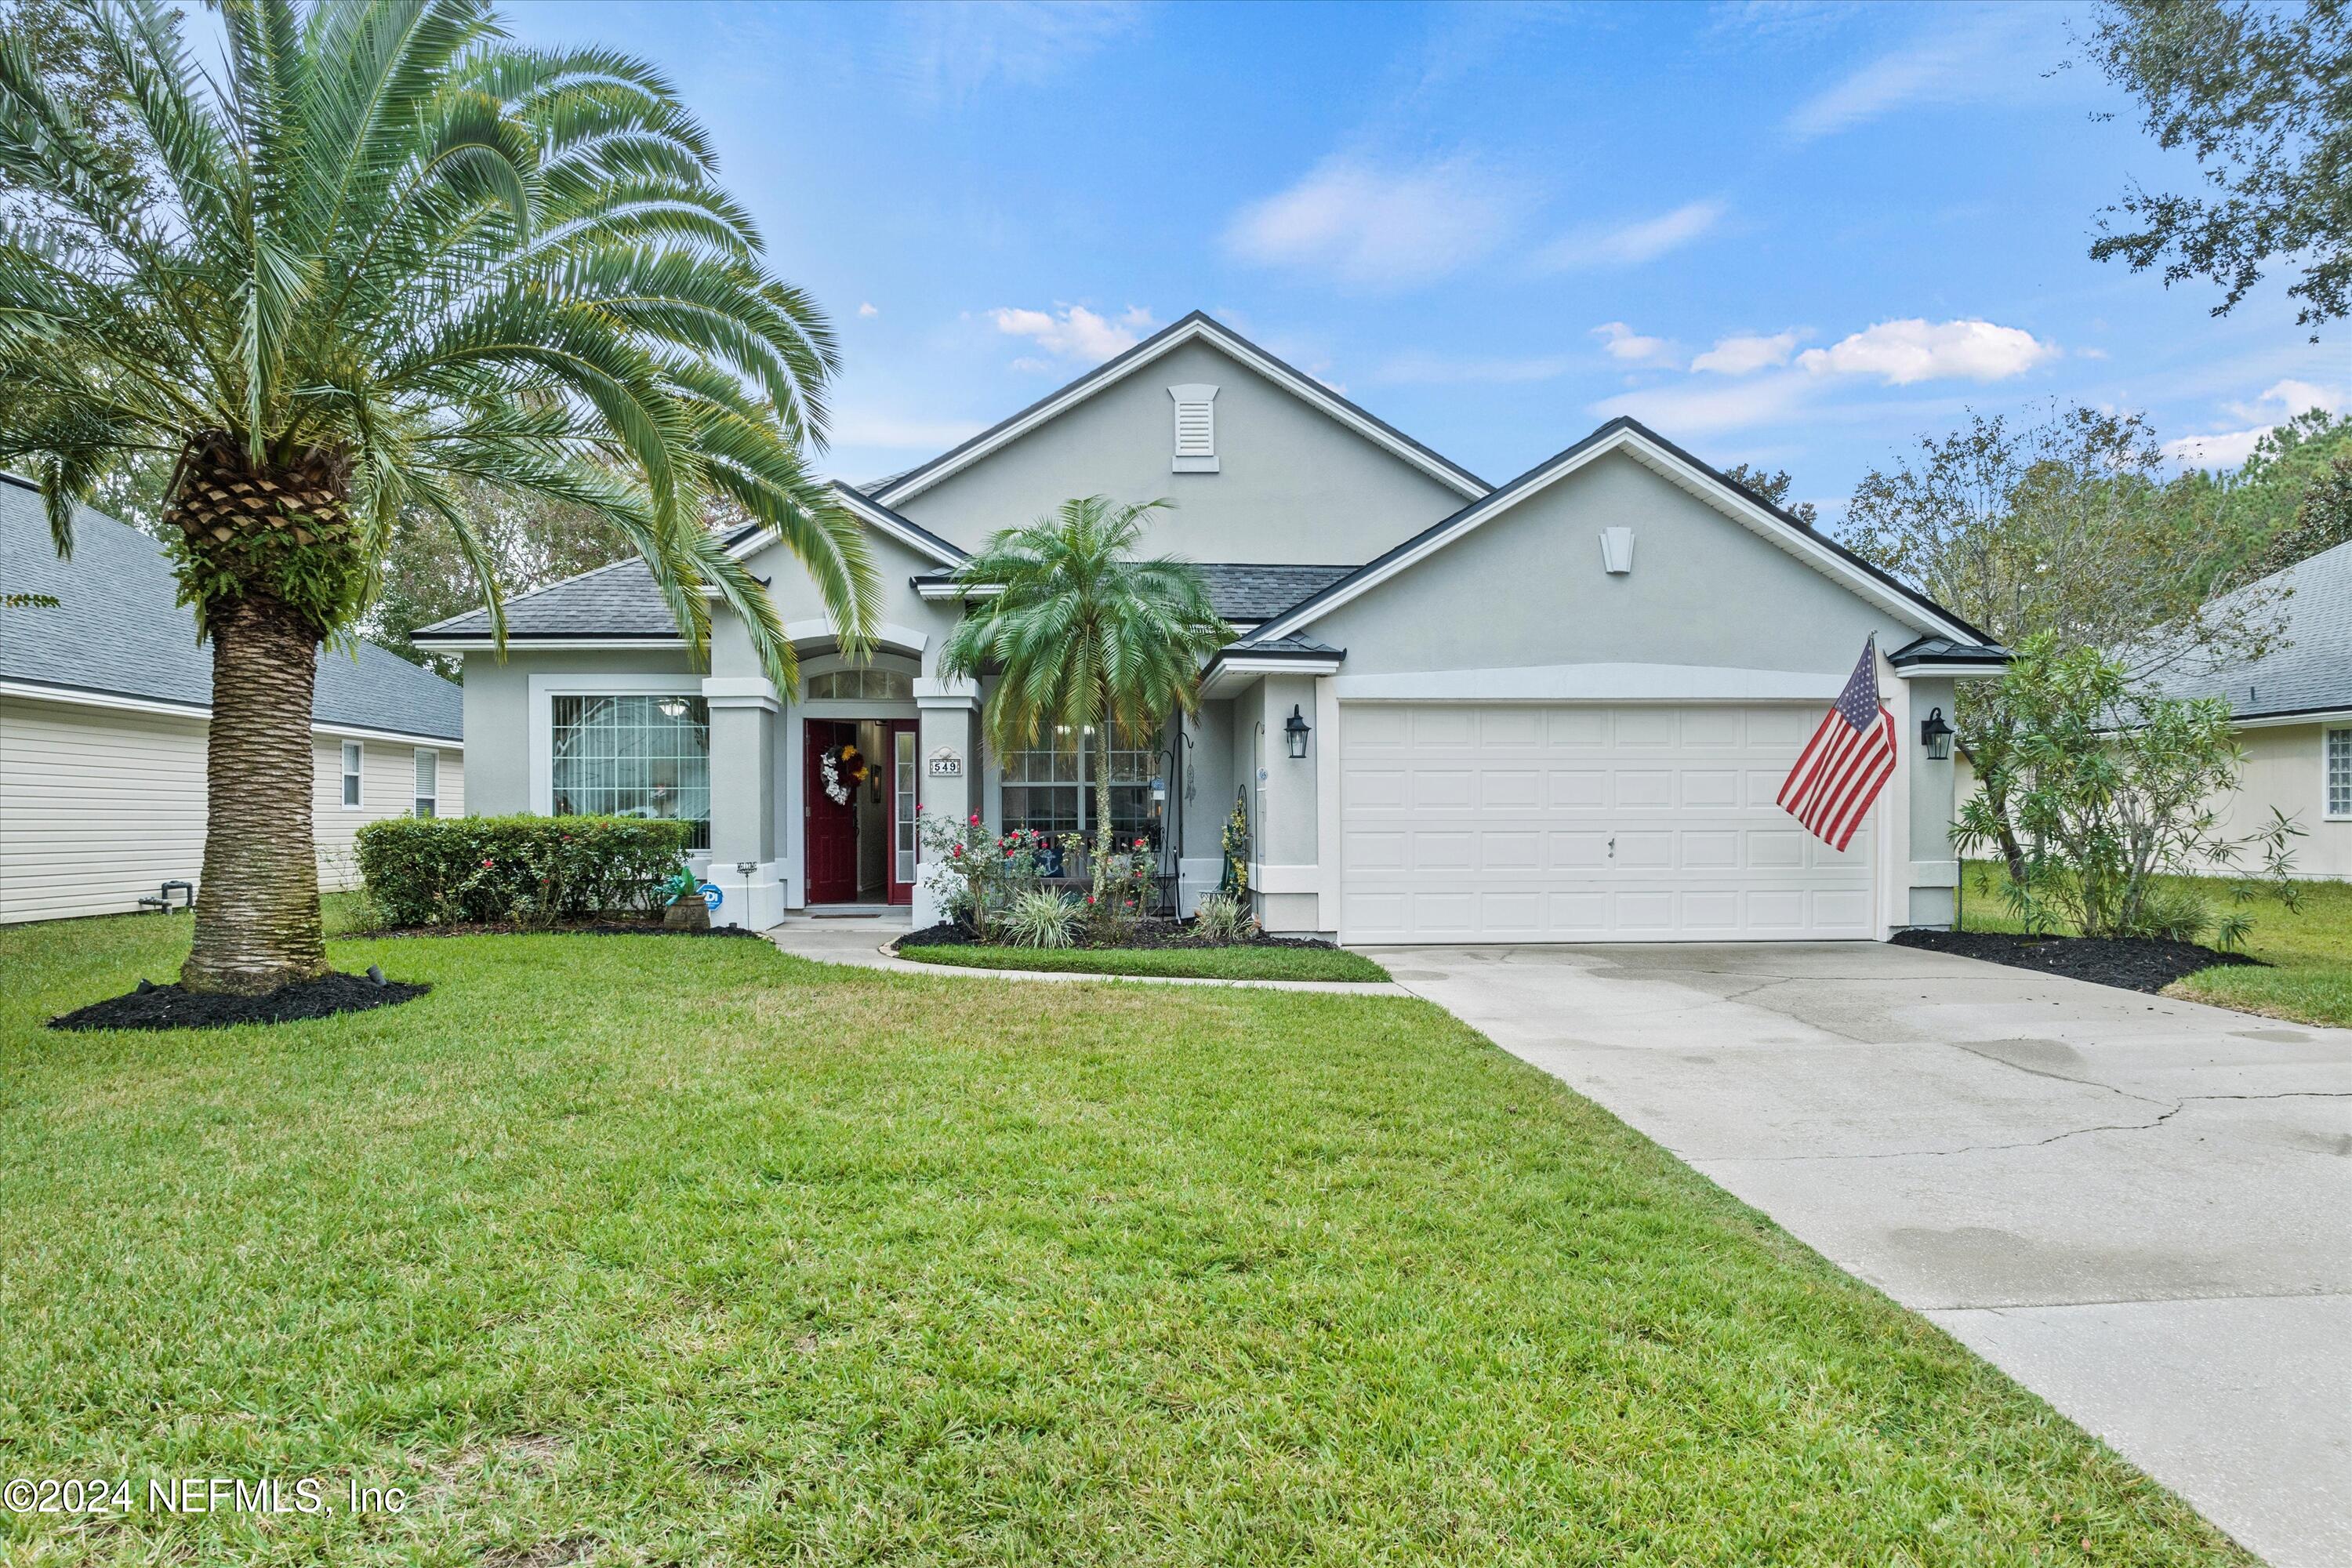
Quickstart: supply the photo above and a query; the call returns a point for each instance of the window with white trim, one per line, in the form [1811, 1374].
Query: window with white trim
[632, 756]
[1051, 788]
[354, 760]
[1196, 429]
[2338, 751]
[428, 783]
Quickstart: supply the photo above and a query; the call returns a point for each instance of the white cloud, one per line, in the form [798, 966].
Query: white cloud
[2228, 448]
[1075, 333]
[1375, 227]
[948, 51]
[1436, 370]
[1745, 354]
[1974, 61]
[1901, 353]
[1698, 409]
[868, 308]
[1619, 342]
[1627, 244]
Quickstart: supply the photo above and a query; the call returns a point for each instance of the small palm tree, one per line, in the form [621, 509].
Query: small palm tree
[384, 255]
[1078, 632]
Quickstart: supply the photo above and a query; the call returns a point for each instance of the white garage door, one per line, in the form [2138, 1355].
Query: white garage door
[1462, 822]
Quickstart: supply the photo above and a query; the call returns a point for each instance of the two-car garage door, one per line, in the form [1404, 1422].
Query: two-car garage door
[1474, 823]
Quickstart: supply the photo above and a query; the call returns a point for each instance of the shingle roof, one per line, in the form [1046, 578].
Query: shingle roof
[118, 631]
[615, 601]
[1243, 591]
[2311, 670]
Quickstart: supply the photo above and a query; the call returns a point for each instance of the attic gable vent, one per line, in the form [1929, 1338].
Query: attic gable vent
[1196, 429]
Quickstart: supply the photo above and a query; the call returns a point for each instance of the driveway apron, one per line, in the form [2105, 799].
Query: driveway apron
[2138, 1207]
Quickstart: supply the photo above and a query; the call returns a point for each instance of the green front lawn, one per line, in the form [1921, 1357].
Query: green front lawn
[2309, 951]
[1208, 963]
[661, 1251]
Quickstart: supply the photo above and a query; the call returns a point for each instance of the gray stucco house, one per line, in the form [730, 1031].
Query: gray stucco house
[1555, 709]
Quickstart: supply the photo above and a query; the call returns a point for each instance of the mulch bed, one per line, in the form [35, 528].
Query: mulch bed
[1148, 933]
[168, 1008]
[2134, 963]
[590, 927]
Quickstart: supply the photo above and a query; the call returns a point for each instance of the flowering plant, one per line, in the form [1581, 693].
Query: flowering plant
[984, 871]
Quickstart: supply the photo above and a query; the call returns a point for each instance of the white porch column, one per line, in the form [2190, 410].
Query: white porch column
[948, 740]
[744, 863]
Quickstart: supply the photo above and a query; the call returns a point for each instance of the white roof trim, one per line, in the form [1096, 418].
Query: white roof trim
[1706, 485]
[1305, 388]
[936, 592]
[869, 514]
[1232, 674]
[76, 697]
[1955, 672]
[2329, 716]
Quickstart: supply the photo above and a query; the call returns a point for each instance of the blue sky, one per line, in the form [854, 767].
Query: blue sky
[1797, 234]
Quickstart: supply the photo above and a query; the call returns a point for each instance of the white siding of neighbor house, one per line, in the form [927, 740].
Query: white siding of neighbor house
[101, 807]
[387, 787]
[2282, 770]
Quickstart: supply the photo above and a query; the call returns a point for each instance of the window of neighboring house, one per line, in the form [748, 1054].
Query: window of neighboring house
[1052, 788]
[353, 756]
[428, 778]
[2339, 772]
[869, 685]
[633, 756]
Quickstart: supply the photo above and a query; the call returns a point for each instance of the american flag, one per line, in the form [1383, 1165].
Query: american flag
[1847, 762]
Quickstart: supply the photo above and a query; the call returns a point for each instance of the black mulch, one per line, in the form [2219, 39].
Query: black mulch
[168, 1008]
[2134, 963]
[1148, 933]
[590, 928]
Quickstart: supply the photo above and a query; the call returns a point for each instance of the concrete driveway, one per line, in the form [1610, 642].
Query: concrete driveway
[2139, 1208]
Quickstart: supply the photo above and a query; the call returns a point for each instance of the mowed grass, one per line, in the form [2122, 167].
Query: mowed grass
[1204, 962]
[2308, 951]
[637, 1251]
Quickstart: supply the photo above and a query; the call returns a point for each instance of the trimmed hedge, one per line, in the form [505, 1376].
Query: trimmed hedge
[494, 870]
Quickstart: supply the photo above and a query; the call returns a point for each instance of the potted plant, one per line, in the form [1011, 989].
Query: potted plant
[687, 909]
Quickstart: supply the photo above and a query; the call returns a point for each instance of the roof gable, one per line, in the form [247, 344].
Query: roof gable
[1196, 327]
[1671, 462]
[2310, 670]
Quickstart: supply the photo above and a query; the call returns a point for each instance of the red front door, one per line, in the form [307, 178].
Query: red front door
[901, 787]
[832, 826]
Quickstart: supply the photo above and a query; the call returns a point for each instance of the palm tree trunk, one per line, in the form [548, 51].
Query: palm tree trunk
[1102, 812]
[257, 909]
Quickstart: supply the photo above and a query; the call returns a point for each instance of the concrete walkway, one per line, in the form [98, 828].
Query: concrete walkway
[2139, 1208]
[860, 939]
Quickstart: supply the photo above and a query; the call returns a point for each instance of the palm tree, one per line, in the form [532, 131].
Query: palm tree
[384, 253]
[1079, 633]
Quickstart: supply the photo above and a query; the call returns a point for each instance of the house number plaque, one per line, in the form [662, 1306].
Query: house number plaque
[946, 764]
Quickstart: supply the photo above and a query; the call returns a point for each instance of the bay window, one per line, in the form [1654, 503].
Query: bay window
[633, 756]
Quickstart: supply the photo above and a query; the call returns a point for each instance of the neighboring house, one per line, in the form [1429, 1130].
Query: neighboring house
[2292, 712]
[104, 707]
[1558, 710]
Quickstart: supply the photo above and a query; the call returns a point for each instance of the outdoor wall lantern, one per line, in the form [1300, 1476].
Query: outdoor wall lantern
[1294, 730]
[1936, 736]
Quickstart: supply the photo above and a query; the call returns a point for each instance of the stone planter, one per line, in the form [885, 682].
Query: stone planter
[687, 914]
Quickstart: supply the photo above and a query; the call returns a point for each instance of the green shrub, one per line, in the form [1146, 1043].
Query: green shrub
[532, 870]
[1222, 919]
[1039, 917]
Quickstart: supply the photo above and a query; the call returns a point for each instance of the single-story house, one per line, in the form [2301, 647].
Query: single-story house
[104, 707]
[1559, 708]
[2292, 712]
